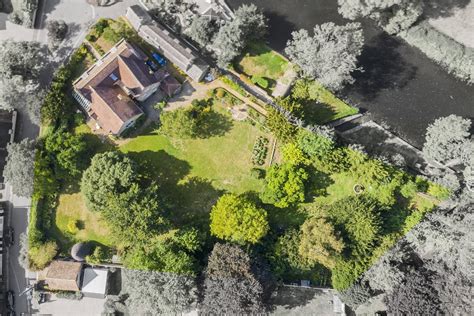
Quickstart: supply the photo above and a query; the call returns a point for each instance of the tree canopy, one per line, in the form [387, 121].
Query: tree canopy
[285, 185]
[19, 168]
[319, 243]
[155, 293]
[446, 137]
[330, 55]
[68, 151]
[234, 283]
[236, 219]
[109, 175]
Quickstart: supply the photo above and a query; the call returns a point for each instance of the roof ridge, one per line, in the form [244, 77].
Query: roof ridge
[125, 62]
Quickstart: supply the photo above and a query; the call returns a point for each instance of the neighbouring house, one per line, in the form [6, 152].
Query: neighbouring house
[94, 282]
[63, 276]
[107, 91]
[171, 46]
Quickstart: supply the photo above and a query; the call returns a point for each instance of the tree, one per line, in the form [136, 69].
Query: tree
[23, 59]
[330, 55]
[359, 222]
[414, 295]
[248, 24]
[136, 215]
[314, 145]
[19, 169]
[228, 43]
[234, 283]
[319, 243]
[157, 293]
[57, 30]
[251, 21]
[280, 121]
[237, 219]
[393, 15]
[109, 175]
[41, 255]
[446, 137]
[67, 151]
[293, 155]
[201, 30]
[178, 123]
[285, 185]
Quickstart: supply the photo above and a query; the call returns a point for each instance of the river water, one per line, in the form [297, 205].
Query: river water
[400, 86]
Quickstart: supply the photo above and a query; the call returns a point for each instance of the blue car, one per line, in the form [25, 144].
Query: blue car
[159, 59]
[152, 65]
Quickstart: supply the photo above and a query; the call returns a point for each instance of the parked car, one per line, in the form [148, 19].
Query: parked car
[153, 66]
[10, 233]
[159, 59]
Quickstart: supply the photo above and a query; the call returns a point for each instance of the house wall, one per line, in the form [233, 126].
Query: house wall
[148, 91]
[129, 123]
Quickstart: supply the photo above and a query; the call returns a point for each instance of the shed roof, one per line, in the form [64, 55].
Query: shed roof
[95, 281]
[63, 275]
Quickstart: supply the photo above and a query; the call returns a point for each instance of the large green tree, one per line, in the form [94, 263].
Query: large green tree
[319, 242]
[285, 185]
[67, 151]
[109, 175]
[329, 55]
[19, 168]
[236, 219]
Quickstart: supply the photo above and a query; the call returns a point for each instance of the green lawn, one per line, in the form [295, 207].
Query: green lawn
[261, 61]
[193, 173]
[323, 106]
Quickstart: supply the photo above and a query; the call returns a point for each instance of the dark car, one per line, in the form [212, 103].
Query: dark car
[159, 59]
[10, 297]
[152, 65]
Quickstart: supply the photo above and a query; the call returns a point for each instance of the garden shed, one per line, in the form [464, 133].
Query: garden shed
[94, 282]
[64, 275]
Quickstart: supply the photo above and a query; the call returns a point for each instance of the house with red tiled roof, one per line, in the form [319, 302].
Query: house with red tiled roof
[109, 89]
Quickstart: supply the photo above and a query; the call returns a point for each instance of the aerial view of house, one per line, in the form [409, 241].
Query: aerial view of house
[236, 157]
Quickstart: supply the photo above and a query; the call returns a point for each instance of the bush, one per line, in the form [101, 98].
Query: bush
[100, 26]
[111, 36]
[257, 173]
[41, 255]
[91, 37]
[99, 255]
[259, 152]
[262, 82]
[409, 189]
[76, 296]
[453, 56]
[72, 226]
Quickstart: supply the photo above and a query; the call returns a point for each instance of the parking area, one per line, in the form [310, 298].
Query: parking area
[60, 306]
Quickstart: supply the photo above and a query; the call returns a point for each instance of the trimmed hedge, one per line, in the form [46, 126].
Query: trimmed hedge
[451, 55]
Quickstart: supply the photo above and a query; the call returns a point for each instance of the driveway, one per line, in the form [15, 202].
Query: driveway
[59, 306]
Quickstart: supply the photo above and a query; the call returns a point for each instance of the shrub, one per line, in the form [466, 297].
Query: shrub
[41, 255]
[111, 36]
[453, 56]
[100, 26]
[99, 255]
[438, 191]
[257, 173]
[259, 152]
[76, 296]
[262, 82]
[72, 226]
[91, 37]
[409, 189]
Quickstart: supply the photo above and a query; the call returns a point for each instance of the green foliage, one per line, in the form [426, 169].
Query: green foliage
[262, 82]
[359, 221]
[438, 191]
[257, 173]
[72, 226]
[136, 215]
[111, 36]
[345, 273]
[67, 151]
[101, 25]
[19, 168]
[100, 255]
[313, 145]
[409, 189]
[109, 175]
[41, 255]
[190, 239]
[293, 155]
[279, 126]
[259, 152]
[319, 243]
[236, 219]
[285, 185]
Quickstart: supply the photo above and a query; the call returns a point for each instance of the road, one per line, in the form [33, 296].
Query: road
[400, 85]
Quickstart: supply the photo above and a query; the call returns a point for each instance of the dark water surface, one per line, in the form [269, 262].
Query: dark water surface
[400, 85]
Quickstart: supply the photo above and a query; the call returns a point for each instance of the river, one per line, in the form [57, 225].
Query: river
[400, 86]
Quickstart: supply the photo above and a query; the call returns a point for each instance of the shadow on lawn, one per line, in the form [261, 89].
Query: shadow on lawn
[318, 113]
[214, 124]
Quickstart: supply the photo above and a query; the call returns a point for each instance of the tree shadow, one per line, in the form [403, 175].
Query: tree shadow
[442, 8]
[214, 124]
[384, 68]
[319, 182]
[316, 112]
[279, 31]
